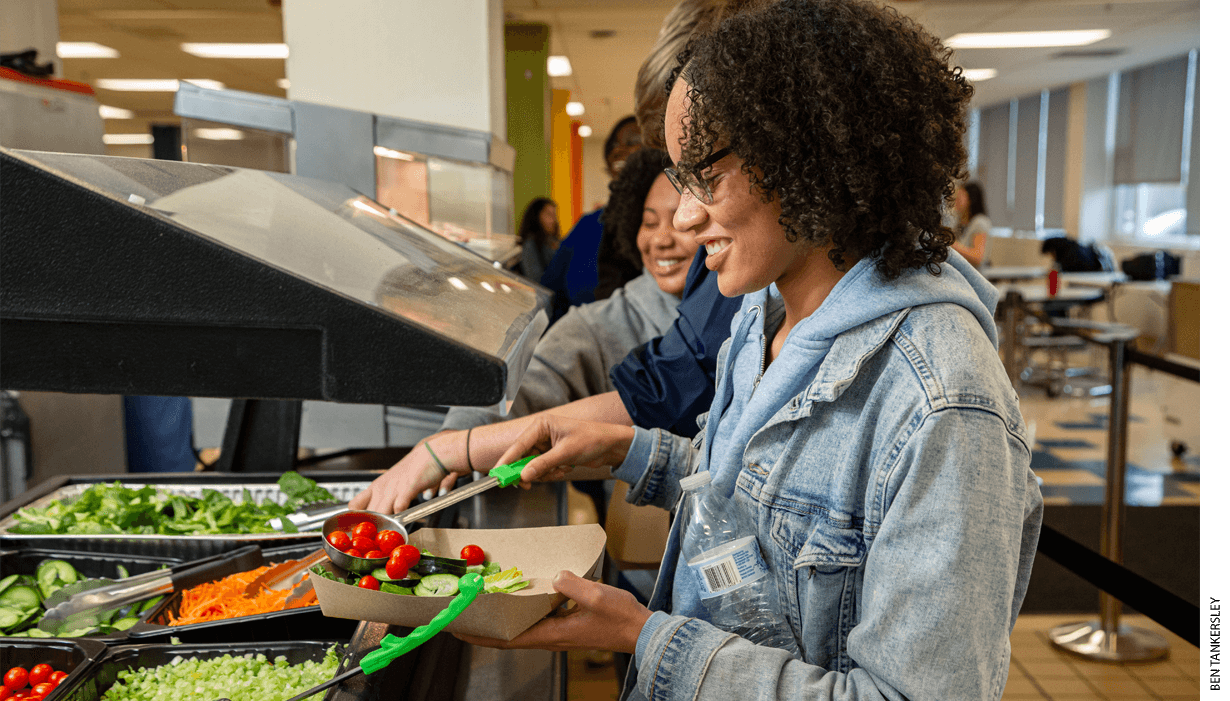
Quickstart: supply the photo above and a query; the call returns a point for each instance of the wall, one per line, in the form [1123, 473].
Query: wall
[527, 87]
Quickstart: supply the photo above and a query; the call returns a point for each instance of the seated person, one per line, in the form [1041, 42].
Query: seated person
[973, 224]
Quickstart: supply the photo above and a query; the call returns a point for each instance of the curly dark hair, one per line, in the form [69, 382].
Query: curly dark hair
[621, 219]
[845, 111]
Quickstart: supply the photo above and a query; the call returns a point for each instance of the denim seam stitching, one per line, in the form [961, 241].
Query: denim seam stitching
[653, 685]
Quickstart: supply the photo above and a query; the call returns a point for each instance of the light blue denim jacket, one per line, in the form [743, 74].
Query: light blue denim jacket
[887, 474]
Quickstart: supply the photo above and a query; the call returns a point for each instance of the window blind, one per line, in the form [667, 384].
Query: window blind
[1149, 123]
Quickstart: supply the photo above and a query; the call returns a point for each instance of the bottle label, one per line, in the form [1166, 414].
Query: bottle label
[728, 567]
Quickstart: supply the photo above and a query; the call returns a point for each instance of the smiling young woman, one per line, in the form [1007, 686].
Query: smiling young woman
[863, 428]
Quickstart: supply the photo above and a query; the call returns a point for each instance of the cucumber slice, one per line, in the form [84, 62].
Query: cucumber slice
[124, 623]
[37, 633]
[121, 572]
[412, 578]
[147, 605]
[438, 585]
[52, 575]
[21, 596]
[10, 617]
[8, 582]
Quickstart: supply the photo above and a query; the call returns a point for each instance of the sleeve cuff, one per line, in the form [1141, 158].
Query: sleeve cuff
[642, 641]
[639, 457]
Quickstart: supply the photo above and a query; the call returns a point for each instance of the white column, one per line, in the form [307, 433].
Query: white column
[439, 61]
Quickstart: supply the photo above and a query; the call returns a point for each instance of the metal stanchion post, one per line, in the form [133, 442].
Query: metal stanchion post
[1012, 316]
[1107, 639]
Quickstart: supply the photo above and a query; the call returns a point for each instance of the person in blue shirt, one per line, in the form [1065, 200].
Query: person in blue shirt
[572, 274]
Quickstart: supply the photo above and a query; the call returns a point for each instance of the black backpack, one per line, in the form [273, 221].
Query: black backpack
[1158, 265]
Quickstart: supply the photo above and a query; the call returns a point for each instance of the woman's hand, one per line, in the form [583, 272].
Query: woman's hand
[393, 491]
[605, 618]
[566, 443]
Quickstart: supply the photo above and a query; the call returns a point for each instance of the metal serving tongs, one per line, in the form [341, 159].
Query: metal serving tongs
[392, 647]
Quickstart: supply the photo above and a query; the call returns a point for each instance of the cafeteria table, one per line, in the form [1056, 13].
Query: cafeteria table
[1015, 301]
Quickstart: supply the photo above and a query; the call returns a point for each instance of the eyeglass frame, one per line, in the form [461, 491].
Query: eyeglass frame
[699, 188]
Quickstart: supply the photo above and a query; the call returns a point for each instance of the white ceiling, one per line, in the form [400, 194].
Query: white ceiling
[147, 33]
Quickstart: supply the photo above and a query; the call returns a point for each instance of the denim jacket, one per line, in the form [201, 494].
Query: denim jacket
[893, 502]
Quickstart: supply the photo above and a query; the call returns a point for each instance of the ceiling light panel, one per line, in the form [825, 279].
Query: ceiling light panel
[574, 109]
[976, 74]
[109, 112]
[237, 50]
[585, 131]
[153, 85]
[84, 49]
[128, 139]
[219, 134]
[559, 66]
[1026, 40]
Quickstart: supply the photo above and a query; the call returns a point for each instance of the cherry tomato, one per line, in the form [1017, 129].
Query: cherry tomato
[57, 677]
[354, 552]
[339, 540]
[473, 555]
[387, 540]
[366, 529]
[363, 543]
[397, 569]
[407, 553]
[39, 673]
[370, 582]
[44, 689]
[5, 693]
[374, 554]
[16, 678]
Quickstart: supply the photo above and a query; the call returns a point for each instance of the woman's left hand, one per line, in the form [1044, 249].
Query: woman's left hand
[604, 618]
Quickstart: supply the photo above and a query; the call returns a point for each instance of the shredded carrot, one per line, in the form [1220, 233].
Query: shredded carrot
[224, 598]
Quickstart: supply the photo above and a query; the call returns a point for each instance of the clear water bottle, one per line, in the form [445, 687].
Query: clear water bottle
[736, 590]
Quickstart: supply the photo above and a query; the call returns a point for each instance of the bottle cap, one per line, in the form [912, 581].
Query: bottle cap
[695, 481]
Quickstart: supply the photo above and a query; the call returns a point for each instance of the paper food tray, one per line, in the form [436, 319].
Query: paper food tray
[541, 553]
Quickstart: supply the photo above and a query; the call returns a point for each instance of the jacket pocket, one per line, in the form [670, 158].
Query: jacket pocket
[823, 566]
[828, 548]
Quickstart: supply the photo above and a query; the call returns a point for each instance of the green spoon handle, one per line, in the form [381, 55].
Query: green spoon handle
[392, 647]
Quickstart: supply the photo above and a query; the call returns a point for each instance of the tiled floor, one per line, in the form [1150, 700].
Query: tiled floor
[1039, 671]
[1069, 457]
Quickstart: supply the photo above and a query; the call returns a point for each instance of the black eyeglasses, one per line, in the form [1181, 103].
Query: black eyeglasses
[699, 188]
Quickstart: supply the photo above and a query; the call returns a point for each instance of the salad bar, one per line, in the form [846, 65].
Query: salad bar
[134, 585]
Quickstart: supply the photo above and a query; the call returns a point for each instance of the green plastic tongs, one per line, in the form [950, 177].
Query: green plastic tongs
[392, 647]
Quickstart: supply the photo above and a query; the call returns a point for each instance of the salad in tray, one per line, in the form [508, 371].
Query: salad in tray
[412, 571]
[107, 508]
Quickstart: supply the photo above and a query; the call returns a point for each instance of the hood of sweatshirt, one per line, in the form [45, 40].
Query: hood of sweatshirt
[749, 394]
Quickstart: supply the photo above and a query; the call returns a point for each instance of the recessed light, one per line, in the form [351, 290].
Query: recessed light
[284, 83]
[585, 131]
[1023, 40]
[128, 139]
[574, 109]
[237, 50]
[976, 74]
[218, 134]
[559, 66]
[153, 85]
[109, 112]
[84, 49]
